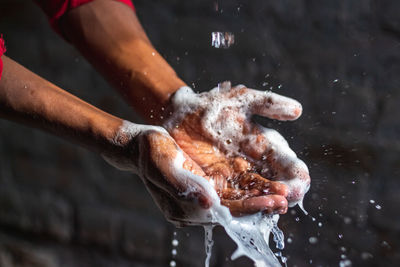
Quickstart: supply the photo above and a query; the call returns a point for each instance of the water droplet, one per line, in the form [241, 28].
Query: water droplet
[313, 240]
[378, 207]
[297, 219]
[172, 263]
[320, 224]
[347, 220]
[208, 242]
[174, 252]
[340, 236]
[385, 244]
[335, 80]
[289, 240]
[175, 242]
[222, 39]
[371, 201]
[366, 256]
[345, 263]
[280, 255]
[153, 54]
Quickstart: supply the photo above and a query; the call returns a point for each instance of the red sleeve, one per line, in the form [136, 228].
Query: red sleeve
[55, 9]
[2, 51]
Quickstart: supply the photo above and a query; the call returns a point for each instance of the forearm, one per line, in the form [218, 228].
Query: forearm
[110, 36]
[29, 99]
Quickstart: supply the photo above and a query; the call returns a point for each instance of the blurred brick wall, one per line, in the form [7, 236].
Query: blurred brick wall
[61, 205]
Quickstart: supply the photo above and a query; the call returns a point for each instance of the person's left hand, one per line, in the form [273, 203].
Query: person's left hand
[252, 168]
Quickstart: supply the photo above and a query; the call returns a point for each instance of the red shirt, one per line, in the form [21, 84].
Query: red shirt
[54, 10]
[2, 51]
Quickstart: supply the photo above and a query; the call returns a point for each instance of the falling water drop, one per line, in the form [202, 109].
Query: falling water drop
[208, 243]
[175, 242]
[222, 39]
[302, 207]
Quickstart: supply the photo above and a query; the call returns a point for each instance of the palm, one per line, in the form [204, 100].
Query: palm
[235, 154]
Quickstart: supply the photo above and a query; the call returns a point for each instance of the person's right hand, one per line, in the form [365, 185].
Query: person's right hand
[152, 154]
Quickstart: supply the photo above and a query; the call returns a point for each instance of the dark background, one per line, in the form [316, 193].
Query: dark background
[61, 205]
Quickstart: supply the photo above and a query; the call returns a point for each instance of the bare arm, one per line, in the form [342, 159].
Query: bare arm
[29, 99]
[148, 151]
[110, 36]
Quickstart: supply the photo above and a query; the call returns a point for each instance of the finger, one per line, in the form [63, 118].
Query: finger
[272, 105]
[173, 176]
[250, 181]
[278, 162]
[236, 194]
[269, 204]
[286, 167]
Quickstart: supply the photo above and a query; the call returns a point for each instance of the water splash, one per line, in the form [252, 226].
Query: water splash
[208, 243]
[222, 39]
[251, 233]
[301, 206]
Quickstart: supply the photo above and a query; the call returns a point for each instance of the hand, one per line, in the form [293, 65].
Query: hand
[151, 153]
[252, 167]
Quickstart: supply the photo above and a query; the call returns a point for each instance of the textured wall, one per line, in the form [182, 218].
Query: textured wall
[61, 205]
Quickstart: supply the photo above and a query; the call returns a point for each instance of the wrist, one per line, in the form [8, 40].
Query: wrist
[148, 87]
[125, 145]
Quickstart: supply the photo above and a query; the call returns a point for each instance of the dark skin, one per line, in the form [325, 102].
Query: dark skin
[110, 36]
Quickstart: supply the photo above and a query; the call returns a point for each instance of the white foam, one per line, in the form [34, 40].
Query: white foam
[128, 131]
[250, 233]
[220, 123]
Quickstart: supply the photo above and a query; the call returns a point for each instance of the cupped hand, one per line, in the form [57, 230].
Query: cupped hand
[251, 167]
[151, 153]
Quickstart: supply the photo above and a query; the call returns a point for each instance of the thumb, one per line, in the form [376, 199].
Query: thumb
[177, 172]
